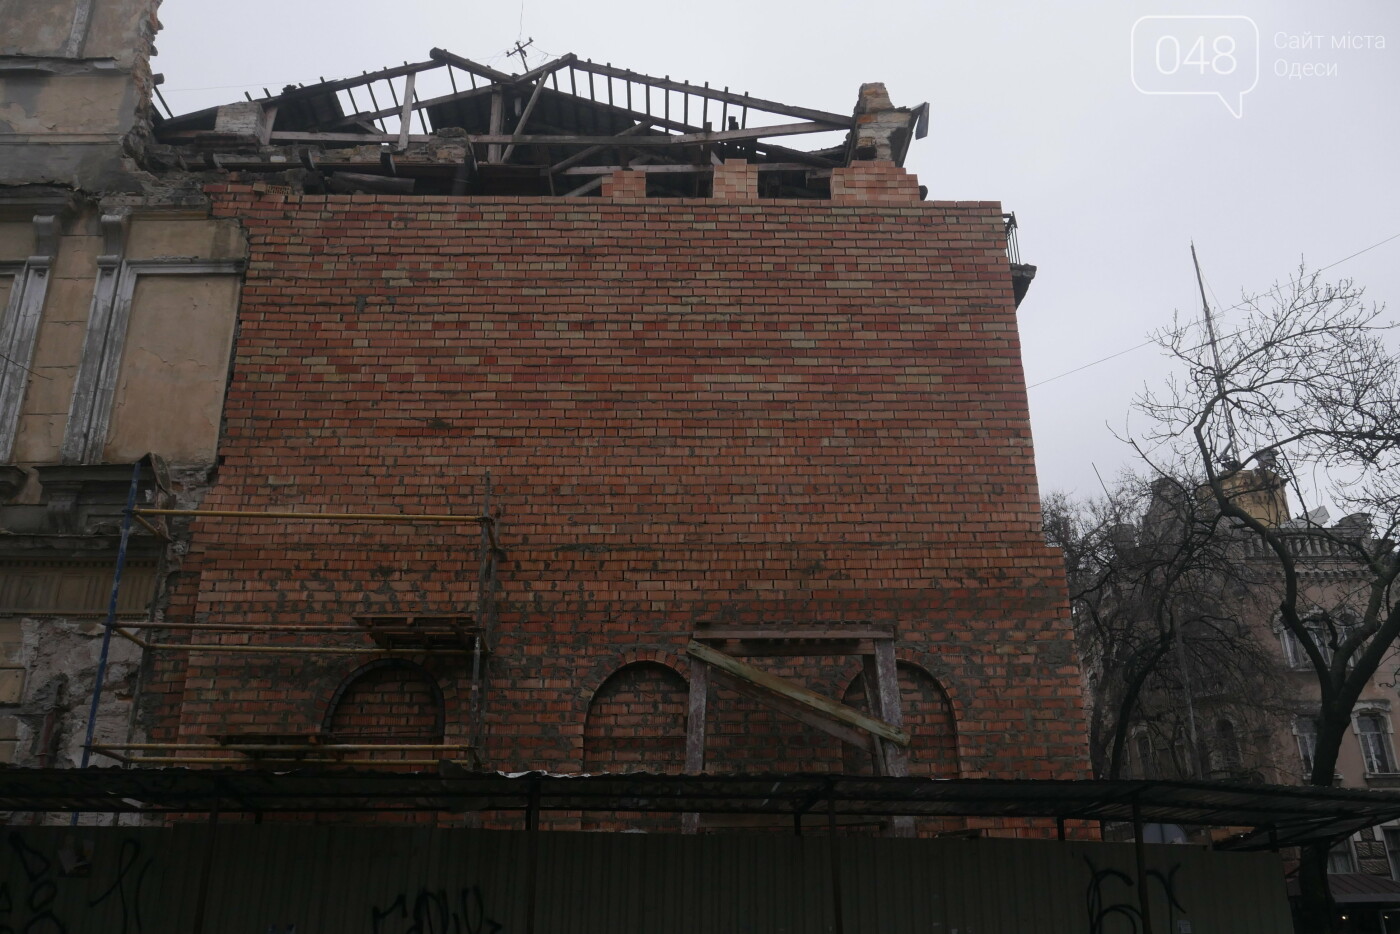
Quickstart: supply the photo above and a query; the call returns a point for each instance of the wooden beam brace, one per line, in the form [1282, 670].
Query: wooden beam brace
[578, 157]
[695, 719]
[443, 56]
[779, 649]
[695, 734]
[891, 708]
[498, 116]
[330, 87]
[844, 121]
[406, 112]
[800, 713]
[545, 70]
[796, 693]
[807, 634]
[796, 155]
[354, 118]
[525, 116]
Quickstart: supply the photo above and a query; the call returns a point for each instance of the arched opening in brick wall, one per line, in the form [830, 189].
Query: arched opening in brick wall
[636, 721]
[388, 701]
[928, 717]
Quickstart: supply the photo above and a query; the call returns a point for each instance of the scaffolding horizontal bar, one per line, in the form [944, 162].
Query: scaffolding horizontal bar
[325, 516]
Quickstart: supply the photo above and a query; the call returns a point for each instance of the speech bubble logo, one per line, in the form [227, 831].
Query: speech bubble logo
[1212, 55]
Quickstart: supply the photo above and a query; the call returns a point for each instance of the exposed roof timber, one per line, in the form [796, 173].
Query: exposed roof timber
[445, 57]
[525, 116]
[569, 58]
[583, 154]
[417, 105]
[685, 168]
[842, 121]
[331, 87]
[668, 139]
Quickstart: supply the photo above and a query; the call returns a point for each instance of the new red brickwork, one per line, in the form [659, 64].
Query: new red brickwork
[695, 412]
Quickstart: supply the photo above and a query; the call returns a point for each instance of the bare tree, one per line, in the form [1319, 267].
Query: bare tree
[1155, 599]
[1304, 393]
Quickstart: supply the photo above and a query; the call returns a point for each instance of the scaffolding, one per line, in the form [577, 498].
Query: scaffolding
[393, 636]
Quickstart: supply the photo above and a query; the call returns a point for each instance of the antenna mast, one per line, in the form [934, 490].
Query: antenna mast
[1234, 450]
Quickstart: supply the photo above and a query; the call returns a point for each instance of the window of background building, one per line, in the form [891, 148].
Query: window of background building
[1339, 859]
[1373, 731]
[1143, 745]
[1392, 849]
[1323, 637]
[1305, 732]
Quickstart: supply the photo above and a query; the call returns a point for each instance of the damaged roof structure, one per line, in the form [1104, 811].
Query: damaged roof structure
[557, 129]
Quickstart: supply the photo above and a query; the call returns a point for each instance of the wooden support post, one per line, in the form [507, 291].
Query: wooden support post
[1060, 829]
[498, 116]
[406, 113]
[525, 116]
[871, 678]
[695, 732]
[892, 712]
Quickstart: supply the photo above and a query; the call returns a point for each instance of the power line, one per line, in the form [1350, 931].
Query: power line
[1241, 304]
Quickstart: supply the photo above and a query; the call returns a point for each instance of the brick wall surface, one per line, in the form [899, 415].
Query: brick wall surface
[694, 412]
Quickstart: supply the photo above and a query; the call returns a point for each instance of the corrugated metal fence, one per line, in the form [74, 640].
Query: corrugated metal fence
[388, 880]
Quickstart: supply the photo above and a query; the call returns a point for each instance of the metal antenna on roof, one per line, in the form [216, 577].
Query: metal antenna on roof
[1234, 450]
[519, 49]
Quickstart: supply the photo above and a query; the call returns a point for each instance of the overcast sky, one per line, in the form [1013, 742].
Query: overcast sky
[1032, 104]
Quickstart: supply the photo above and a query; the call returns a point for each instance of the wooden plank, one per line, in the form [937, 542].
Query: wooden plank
[797, 693]
[498, 138]
[578, 157]
[678, 169]
[869, 679]
[406, 112]
[498, 105]
[466, 64]
[525, 116]
[891, 709]
[695, 719]
[547, 69]
[778, 648]
[800, 713]
[759, 634]
[418, 105]
[695, 733]
[845, 121]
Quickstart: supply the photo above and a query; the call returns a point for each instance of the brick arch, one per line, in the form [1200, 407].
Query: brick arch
[389, 700]
[929, 716]
[636, 721]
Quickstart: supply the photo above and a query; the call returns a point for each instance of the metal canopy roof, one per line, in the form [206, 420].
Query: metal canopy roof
[1273, 815]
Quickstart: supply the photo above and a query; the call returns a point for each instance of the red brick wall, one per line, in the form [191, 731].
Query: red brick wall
[636, 722]
[694, 412]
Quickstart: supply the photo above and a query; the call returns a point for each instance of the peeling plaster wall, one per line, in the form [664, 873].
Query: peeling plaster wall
[75, 91]
[60, 658]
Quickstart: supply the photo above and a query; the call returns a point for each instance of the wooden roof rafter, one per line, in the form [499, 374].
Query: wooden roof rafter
[330, 113]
